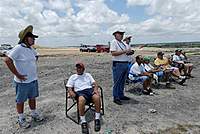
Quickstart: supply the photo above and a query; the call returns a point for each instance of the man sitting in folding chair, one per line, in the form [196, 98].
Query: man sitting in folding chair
[83, 87]
[137, 73]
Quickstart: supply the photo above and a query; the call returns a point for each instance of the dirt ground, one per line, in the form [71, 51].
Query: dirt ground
[178, 110]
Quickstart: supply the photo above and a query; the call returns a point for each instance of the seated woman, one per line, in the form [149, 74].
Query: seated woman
[137, 73]
[83, 87]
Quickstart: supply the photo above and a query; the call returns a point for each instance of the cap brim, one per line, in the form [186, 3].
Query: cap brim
[35, 36]
[118, 32]
[79, 65]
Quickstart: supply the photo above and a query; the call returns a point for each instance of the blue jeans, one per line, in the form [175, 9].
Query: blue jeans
[119, 77]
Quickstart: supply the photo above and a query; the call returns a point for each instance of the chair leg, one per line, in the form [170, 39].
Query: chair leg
[66, 101]
[78, 115]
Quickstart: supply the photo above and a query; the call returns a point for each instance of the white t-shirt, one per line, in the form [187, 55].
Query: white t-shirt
[80, 82]
[118, 46]
[148, 67]
[136, 70]
[25, 62]
[176, 58]
[182, 57]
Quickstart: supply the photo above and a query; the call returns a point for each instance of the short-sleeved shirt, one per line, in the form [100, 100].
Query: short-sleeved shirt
[148, 67]
[161, 62]
[182, 57]
[176, 58]
[80, 82]
[24, 59]
[118, 46]
[135, 70]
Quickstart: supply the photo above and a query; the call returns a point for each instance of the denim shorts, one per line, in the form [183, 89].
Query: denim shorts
[86, 93]
[160, 74]
[26, 91]
[141, 78]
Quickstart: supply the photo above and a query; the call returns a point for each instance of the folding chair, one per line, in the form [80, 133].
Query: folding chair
[90, 106]
[129, 82]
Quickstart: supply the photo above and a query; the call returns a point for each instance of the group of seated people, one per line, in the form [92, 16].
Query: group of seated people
[143, 71]
[83, 87]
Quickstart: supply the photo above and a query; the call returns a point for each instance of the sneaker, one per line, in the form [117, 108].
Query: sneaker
[84, 128]
[37, 118]
[182, 81]
[117, 101]
[151, 93]
[145, 92]
[182, 77]
[24, 124]
[97, 125]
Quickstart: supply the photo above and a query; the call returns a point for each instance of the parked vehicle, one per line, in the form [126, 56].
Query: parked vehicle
[83, 48]
[4, 48]
[102, 48]
[87, 48]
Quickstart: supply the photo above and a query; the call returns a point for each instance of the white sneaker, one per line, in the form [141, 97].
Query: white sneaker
[23, 123]
[182, 77]
[37, 118]
[151, 93]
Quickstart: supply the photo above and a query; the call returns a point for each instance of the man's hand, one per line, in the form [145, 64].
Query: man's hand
[96, 91]
[21, 77]
[72, 94]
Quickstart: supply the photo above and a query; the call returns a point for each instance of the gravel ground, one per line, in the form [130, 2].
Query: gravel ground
[178, 110]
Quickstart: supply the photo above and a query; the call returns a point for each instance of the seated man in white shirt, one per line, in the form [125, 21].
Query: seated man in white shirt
[83, 87]
[178, 62]
[137, 73]
[157, 72]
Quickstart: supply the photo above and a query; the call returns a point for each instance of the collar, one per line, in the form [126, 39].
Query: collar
[24, 45]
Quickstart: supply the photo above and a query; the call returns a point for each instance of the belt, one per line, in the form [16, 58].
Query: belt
[120, 61]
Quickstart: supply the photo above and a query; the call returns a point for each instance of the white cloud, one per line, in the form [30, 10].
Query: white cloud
[138, 2]
[59, 18]
[169, 16]
[98, 12]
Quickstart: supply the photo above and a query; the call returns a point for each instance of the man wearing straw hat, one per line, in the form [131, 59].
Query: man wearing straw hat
[21, 61]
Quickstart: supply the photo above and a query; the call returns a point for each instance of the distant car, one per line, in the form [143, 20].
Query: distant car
[87, 48]
[83, 48]
[4, 48]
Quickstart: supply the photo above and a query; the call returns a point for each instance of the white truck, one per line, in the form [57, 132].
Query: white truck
[4, 48]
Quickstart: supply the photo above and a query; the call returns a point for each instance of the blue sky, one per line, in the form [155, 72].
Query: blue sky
[72, 22]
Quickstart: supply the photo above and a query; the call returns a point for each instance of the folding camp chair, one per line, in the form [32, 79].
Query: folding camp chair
[90, 106]
[129, 84]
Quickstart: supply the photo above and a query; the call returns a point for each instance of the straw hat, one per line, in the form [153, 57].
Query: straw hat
[23, 33]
